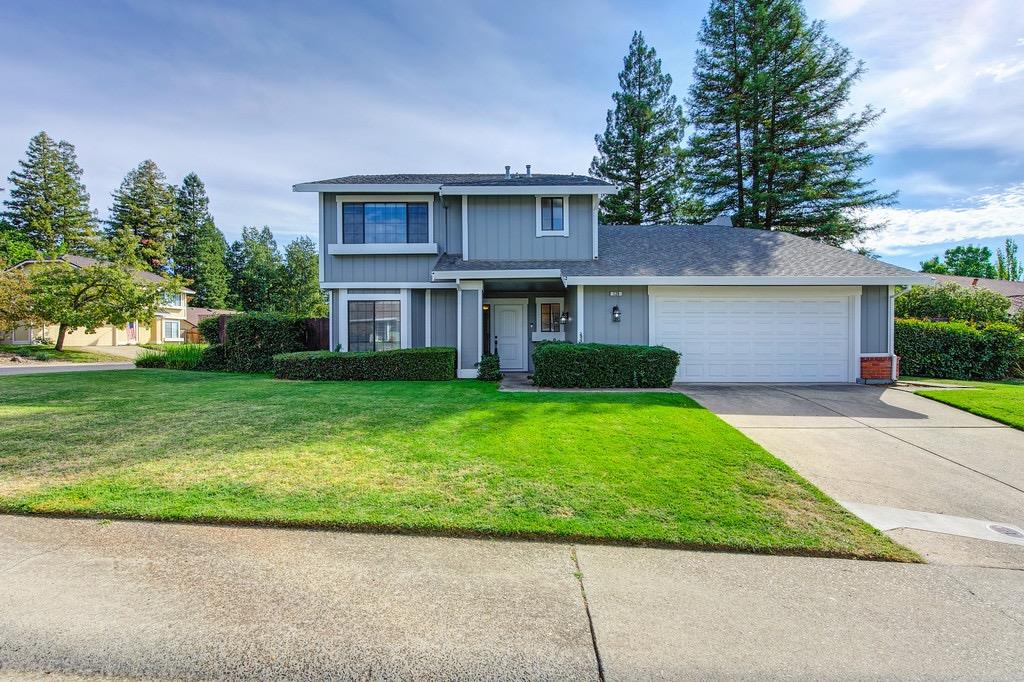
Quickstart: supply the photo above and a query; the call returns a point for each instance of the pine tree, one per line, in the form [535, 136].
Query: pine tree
[49, 206]
[255, 268]
[300, 290]
[143, 218]
[641, 148]
[773, 145]
[199, 250]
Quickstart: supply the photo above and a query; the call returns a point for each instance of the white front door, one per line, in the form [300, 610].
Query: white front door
[509, 323]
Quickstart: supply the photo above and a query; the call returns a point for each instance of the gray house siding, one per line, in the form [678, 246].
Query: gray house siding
[505, 228]
[417, 319]
[470, 350]
[395, 268]
[448, 223]
[335, 319]
[571, 333]
[443, 318]
[597, 315]
[874, 319]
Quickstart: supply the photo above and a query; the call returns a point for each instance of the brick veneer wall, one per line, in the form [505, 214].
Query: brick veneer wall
[877, 369]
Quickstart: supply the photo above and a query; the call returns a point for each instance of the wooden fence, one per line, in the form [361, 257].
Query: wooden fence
[318, 335]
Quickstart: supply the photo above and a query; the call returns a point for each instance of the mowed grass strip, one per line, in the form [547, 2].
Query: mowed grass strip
[449, 457]
[1002, 401]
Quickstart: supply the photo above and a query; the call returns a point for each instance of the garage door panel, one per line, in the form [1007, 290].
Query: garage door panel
[752, 338]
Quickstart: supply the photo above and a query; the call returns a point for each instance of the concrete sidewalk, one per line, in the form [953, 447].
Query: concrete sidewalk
[179, 601]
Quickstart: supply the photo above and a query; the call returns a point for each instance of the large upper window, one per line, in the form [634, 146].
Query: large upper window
[385, 223]
[374, 325]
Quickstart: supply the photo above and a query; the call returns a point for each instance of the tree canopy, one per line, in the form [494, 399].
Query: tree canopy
[965, 261]
[641, 149]
[774, 144]
[143, 219]
[199, 248]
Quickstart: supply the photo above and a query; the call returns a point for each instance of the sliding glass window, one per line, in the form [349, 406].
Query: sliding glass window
[385, 223]
[374, 325]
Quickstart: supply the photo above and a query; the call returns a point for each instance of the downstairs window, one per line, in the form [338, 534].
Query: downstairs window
[374, 325]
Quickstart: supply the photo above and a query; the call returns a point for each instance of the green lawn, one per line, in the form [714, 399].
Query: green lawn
[1002, 401]
[449, 457]
[46, 353]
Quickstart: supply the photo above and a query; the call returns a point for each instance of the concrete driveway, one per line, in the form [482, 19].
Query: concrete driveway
[889, 455]
[176, 601]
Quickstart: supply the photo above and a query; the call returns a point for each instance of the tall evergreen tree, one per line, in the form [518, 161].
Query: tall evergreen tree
[300, 292]
[143, 218]
[641, 148]
[1008, 263]
[255, 268]
[48, 206]
[199, 249]
[773, 145]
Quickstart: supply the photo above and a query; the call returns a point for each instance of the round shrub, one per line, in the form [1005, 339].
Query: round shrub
[489, 368]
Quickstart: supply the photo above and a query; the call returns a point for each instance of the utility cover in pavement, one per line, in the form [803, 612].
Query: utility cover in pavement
[891, 518]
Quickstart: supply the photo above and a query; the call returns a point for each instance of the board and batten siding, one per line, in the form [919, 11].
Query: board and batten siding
[874, 319]
[417, 303]
[470, 350]
[505, 228]
[443, 318]
[633, 328]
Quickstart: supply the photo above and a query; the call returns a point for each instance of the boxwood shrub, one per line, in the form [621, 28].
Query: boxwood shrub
[957, 350]
[597, 365]
[489, 368]
[408, 364]
[254, 339]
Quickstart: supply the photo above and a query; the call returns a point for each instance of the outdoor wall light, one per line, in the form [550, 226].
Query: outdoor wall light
[616, 314]
[565, 318]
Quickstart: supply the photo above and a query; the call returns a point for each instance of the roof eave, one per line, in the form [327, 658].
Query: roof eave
[366, 188]
[444, 275]
[750, 280]
[531, 190]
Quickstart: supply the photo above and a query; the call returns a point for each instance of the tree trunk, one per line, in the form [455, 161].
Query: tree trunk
[60, 337]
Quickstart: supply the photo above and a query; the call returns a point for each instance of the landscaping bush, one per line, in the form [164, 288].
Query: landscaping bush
[951, 301]
[150, 359]
[213, 359]
[596, 365]
[182, 355]
[209, 329]
[957, 350]
[254, 339]
[408, 364]
[489, 368]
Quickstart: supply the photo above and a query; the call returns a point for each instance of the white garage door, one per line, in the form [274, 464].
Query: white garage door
[760, 334]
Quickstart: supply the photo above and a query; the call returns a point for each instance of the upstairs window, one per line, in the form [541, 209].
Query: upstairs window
[385, 223]
[173, 300]
[552, 216]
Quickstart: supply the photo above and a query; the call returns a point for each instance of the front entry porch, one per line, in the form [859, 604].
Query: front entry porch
[509, 317]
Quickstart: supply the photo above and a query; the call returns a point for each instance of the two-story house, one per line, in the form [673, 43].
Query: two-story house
[497, 262]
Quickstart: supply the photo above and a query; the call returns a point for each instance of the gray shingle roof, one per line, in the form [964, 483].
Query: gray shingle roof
[480, 179]
[700, 251]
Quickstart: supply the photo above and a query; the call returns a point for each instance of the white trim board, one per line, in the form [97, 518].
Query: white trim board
[388, 285]
[506, 190]
[428, 248]
[524, 305]
[432, 188]
[495, 274]
[537, 334]
[427, 199]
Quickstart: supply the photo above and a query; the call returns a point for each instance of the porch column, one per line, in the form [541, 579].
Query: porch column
[470, 327]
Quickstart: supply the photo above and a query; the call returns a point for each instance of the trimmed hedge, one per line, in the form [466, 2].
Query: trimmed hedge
[408, 364]
[213, 359]
[957, 350]
[598, 365]
[209, 329]
[254, 339]
[489, 368]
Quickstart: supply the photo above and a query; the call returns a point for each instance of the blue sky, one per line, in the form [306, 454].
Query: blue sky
[256, 96]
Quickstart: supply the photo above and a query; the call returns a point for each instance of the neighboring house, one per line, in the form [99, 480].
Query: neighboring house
[499, 262]
[167, 327]
[1011, 290]
[190, 326]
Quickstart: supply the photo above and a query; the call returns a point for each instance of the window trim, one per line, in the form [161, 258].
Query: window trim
[404, 314]
[179, 297]
[163, 329]
[564, 232]
[537, 334]
[340, 247]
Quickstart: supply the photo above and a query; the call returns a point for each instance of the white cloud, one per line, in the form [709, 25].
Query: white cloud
[999, 213]
[947, 73]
